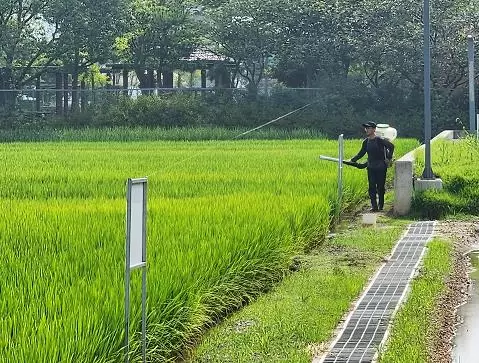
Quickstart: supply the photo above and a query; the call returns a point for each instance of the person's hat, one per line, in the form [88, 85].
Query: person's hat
[369, 124]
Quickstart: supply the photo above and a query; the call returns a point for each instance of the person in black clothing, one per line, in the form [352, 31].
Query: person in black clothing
[380, 152]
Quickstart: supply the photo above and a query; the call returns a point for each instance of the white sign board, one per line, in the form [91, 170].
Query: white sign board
[135, 254]
[136, 223]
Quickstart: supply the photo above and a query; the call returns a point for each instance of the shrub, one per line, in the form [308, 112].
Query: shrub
[332, 112]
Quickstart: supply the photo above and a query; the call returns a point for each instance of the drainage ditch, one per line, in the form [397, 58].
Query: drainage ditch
[467, 336]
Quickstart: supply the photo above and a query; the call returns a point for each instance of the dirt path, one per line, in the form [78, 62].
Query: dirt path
[464, 235]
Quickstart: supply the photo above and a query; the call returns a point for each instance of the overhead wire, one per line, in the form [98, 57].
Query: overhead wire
[240, 135]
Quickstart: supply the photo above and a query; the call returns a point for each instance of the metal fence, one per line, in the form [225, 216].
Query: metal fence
[61, 101]
[50, 101]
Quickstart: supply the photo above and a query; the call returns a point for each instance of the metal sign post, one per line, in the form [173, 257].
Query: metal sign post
[340, 160]
[135, 253]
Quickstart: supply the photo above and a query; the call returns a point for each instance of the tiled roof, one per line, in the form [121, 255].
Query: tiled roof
[204, 54]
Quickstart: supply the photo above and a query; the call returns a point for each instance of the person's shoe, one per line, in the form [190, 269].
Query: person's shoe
[381, 208]
[374, 210]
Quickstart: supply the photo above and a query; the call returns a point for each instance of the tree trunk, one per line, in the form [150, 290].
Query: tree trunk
[125, 82]
[84, 97]
[58, 93]
[2, 89]
[252, 90]
[159, 83]
[75, 72]
[151, 80]
[65, 93]
[309, 75]
[38, 95]
[142, 77]
[346, 64]
[203, 78]
[9, 96]
[74, 106]
[167, 79]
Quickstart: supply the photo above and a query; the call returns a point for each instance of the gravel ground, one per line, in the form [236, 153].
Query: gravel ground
[464, 236]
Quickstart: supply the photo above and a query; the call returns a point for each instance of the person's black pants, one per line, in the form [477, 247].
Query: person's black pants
[377, 181]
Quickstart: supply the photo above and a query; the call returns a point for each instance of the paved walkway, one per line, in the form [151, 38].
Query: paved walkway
[366, 328]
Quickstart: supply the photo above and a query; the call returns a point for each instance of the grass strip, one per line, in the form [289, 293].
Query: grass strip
[142, 133]
[413, 325]
[297, 318]
[456, 163]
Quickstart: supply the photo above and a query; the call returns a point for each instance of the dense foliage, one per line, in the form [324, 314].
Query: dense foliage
[329, 115]
[365, 57]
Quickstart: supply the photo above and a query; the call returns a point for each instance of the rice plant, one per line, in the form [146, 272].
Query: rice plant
[224, 220]
[150, 134]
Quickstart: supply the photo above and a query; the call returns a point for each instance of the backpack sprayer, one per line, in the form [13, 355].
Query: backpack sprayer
[382, 130]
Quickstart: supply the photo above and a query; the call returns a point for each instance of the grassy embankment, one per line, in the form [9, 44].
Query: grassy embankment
[457, 164]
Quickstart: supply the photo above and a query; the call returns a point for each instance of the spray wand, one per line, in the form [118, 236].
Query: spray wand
[346, 162]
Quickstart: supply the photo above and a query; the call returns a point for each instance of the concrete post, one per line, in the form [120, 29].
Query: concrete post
[403, 184]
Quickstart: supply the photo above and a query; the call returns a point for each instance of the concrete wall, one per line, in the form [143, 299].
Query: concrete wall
[404, 175]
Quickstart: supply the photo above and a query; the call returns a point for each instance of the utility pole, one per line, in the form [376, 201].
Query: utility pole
[472, 97]
[427, 173]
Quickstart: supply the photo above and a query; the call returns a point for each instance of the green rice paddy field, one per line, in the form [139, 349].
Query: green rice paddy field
[224, 220]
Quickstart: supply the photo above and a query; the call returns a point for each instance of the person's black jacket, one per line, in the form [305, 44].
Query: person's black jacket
[378, 150]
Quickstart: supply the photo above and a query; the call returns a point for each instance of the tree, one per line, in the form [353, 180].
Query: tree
[247, 32]
[86, 33]
[35, 34]
[160, 32]
[26, 43]
[309, 44]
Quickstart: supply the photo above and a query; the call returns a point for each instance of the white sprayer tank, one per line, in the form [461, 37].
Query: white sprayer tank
[386, 131]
